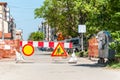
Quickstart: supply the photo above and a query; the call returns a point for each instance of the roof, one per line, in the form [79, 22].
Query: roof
[3, 3]
[6, 35]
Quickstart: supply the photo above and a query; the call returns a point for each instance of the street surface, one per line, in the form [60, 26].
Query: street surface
[41, 66]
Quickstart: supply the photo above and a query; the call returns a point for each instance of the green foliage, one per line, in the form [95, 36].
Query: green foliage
[82, 53]
[116, 44]
[116, 35]
[36, 36]
[66, 15]
[112, 45]
[114, 65]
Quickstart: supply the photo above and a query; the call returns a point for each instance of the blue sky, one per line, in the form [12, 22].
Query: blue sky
[23, 13]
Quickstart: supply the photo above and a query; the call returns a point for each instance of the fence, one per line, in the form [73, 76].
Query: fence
[7, 48]
[93, 47]
[45, 44]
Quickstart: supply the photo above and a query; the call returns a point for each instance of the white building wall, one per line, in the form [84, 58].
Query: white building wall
[5, 27]
[0, 24]
[3, 21]
[48, 33]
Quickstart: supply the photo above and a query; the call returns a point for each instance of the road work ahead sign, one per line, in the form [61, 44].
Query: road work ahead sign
[59, 51]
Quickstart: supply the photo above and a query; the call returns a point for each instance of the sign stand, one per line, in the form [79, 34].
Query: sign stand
[82, 29]
[73, 58]
[19, 57]
[82, 42]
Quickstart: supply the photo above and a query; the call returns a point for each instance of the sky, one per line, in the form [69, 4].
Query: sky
[23, 13]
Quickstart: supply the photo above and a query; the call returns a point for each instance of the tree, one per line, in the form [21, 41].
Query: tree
[114, 11]
[66, 15]
[60, 15]
[36, 36]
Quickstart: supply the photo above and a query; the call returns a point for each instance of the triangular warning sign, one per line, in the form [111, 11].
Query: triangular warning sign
[59, 51]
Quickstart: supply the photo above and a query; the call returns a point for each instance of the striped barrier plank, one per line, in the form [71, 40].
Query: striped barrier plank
[45, 44]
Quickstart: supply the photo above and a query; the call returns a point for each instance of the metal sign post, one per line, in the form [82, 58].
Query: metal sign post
[82, 41]
[81, 29]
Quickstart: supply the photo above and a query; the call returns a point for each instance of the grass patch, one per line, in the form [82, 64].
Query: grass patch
[117, 55]
[82, 54]
[114, 65]
[77, 53]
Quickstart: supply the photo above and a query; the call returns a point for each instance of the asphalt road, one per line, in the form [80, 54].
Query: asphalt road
[41, 66]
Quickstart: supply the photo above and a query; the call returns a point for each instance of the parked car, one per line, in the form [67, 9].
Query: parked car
[76, 44]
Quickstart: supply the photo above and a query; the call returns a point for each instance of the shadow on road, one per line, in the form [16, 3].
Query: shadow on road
[25, 62]
[96, 65]
[43, 54]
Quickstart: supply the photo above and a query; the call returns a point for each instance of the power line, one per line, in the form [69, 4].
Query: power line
[13, 6]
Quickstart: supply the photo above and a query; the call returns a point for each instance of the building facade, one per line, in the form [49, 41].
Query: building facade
[47, 31]
[7, 25]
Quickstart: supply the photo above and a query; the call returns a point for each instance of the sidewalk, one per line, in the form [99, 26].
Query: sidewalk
[89, 63]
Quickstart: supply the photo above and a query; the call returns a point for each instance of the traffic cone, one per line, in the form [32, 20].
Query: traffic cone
[19, 57]
[73, 58]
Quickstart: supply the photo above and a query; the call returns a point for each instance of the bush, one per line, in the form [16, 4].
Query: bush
[83, 54]
[116, 44]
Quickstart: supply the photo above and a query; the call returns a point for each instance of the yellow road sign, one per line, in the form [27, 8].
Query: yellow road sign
[28, 50]
[59, 51]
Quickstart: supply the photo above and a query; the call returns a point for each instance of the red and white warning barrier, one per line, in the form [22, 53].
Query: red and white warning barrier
[45, 44]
